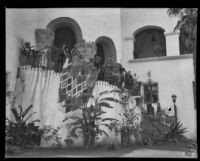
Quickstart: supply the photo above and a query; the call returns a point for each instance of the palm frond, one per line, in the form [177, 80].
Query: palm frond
[108, 126]
[179, 25]
[73, 131]
[26, 111]
[104, 104]
[173, 12]
[75, 117]
[100, 131]
[95, 108]
[37, 120]
[28, 117]
[66, 118]
[110, 99]
[100, 113]
[21, 110]
[76, 123]
[104, 92]
[15, 114]
[109, 119]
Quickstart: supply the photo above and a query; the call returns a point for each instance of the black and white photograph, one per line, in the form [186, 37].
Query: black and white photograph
[95, 82]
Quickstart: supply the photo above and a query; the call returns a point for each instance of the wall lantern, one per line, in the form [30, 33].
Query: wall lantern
[175, 108]
[174, 98]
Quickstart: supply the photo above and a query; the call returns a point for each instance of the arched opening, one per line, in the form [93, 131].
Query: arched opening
[100, 52]
[64, 35]
[67, 31]
[149, 42]
[106, 49]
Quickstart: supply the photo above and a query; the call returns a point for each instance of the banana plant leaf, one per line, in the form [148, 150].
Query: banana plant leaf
[100, 131]
[28, 117]
[15, 114]
[35, 121]
[108, 92]
[104, 104]
[109, 119]
[20, 114]
[107, 125]
[26, 111]
[73, 131]
[100, 113]
[66, 118]
[76, 123]
[110, 99]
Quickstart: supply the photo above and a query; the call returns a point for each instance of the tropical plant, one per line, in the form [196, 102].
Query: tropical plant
[128, 126]
[51, 133]
[89, 123]
[160, 128]
[26, 52]
[188, 29]
[154, 127]
[21, 131]
[175, 132]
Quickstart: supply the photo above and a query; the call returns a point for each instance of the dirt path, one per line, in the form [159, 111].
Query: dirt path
[159, 151]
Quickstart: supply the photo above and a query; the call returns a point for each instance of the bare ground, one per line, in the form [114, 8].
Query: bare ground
[136, 151]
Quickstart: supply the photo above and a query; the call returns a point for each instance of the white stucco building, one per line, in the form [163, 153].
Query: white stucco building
[130, 36]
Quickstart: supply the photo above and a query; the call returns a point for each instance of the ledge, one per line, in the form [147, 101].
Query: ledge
[185, 56]
[172, 33]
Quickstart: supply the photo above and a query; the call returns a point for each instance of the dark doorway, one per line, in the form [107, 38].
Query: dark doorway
[64, 35]
[100, 52]
[106, 49]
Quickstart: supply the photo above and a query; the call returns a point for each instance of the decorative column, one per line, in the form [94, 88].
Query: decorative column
[43, 37]
[172, 43]
[44, 40]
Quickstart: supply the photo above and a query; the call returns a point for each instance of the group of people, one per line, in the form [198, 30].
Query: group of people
[115, 74]
[51, 58]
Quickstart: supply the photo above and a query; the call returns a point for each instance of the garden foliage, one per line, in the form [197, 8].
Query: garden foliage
[89, 123]
[160, 128]
[21, 132]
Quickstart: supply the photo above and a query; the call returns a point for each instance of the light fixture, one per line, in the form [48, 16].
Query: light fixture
[174, 98]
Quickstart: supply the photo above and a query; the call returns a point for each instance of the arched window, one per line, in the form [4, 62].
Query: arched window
[149, 42]
[106, 49]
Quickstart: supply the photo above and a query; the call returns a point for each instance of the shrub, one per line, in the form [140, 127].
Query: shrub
[175, 132]
[90, 121]
[51, 133]
[160, 128]
[20, 132]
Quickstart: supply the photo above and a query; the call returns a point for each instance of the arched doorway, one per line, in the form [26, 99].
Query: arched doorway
[106, 49]
[149, 42]
[64, 35]
[100, 52]
[67, 31]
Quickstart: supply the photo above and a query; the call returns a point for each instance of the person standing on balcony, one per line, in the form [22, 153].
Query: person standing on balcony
[44, 58]
[108, 73]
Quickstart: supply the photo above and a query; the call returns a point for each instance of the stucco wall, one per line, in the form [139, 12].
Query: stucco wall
[19, 25]
[174, 76]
